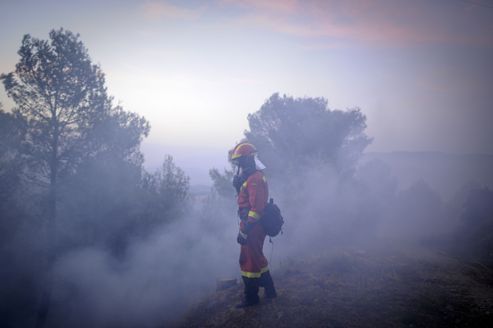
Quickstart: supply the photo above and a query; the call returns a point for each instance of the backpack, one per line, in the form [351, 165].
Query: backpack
[272, 219]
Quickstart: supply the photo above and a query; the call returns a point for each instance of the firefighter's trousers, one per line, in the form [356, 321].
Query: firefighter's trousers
[253, 264]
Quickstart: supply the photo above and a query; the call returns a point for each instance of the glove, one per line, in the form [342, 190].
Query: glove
[242, 238]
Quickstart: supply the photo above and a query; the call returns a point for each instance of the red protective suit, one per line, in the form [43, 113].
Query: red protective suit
[252, 199]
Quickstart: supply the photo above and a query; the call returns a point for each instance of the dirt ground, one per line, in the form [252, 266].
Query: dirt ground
[361, 288]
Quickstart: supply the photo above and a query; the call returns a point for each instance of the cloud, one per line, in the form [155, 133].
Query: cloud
[378, 21]
[282, 6]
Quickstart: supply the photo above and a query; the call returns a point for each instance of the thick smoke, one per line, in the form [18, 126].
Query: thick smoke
[160, 277]
[153, 284]
[147, 263]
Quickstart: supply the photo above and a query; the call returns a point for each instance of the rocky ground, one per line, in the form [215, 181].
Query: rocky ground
[361, 288]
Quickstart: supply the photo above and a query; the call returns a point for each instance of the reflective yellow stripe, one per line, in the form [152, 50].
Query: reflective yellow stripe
[254, 215]
[244, 185]
[254, 274]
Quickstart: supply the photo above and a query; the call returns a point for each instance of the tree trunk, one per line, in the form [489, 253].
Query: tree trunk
[51, 235]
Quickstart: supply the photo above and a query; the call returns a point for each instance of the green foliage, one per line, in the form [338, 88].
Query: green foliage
[169, 187]
[69, 114]
[222, 182]
[110, 202]
[86, 150]
[12, 133]
[77, 143]
[295, 133]
[71, 172]
[12, 136]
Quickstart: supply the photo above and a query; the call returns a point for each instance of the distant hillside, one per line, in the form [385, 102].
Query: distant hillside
[446, 173]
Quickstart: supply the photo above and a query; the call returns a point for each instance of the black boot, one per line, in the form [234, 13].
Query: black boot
[267, 282]
[251, 292]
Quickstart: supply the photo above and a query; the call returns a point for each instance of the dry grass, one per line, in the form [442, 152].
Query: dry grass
[415, 288]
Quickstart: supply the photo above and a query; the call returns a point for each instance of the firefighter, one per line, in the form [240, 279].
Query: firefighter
[252, 192]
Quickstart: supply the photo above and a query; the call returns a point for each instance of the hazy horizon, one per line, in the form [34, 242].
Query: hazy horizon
[214, 157]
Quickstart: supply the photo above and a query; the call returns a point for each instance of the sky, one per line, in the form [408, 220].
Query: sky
[421, 71]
